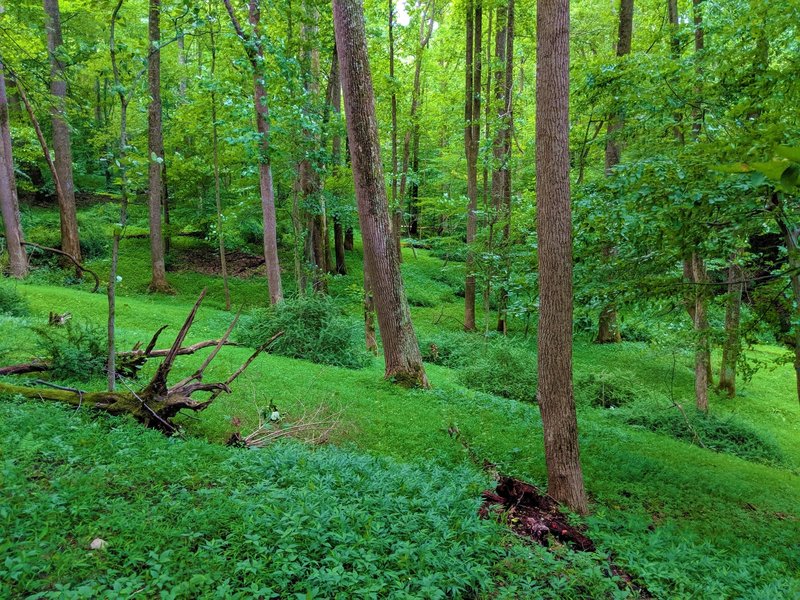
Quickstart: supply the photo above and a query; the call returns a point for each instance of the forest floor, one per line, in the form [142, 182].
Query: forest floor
[390, 507]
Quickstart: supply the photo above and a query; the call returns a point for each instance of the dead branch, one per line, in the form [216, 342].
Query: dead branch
[313, 426]
[72, 258]
[157, 403]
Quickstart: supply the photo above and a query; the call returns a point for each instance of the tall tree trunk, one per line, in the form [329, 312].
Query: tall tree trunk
[501, 178]
[111, 363]
[400, 349]
[695, 272]
[9, 204]
[554, 229]
[369, 316]
[155, 144]
[223, 259]
[608, 328]
[255, 53]
[731, 348]
[397, 208]
[411, 139]
[472, 116]
[675, 52]
[335, 103]
[62, 146]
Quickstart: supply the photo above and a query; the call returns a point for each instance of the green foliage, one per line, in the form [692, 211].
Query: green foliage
[11, 301]
[448, 349]
[605, 389]
[76, 351]
[502, 368]
[726, 435]
[314, 328]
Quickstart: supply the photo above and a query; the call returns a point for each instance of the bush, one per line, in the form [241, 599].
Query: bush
[11, 302]
[502, 369]
[720, 435]
[314, 328]
[605, 389]
[424, 291]
[94, 240]
[448, 349]
[76, 351]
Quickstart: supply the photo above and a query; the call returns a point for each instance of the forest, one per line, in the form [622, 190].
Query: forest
[400, 299]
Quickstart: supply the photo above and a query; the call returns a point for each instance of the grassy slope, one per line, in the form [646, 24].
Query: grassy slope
[686, 520]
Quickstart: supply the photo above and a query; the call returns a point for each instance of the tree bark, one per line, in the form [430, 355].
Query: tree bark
[397, 214]
[472, 131]
[223, 260]
[501, 178]
[731, 348]
[335, 103]
[62, 145]
[608, 329]
[554, 228]
[9, 203]
[155, 145]
[400, 349]
[695, 272]
[255, 53]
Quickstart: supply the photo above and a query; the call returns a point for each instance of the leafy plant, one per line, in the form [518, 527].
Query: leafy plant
[76, 351]
[314, 328]
[503, 369]
[11, 302]
[605, 389]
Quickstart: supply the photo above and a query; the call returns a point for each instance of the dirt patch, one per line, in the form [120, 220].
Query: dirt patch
[205, 260]
[531, 514]
[534, 515]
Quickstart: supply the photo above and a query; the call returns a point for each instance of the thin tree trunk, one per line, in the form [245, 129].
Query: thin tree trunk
[608, 329]
[369, 316]
[472, 115]
[9, 203]
[155, 144]
[554, 228]
[731, 348]
[397, 215]
[111, 366]
[255, 53]
[223, 259]
[400, 349]
[501, 190]
[62, 146]
[335, 104]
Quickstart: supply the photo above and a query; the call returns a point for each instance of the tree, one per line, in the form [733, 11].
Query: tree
[608, 328]
[62, 145]
[472, 133]
[9, 205]
[155, 145]
[253, 46]
[400, 349]
[554, 230]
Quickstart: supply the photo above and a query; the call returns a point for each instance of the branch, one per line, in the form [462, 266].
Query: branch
[72, 258]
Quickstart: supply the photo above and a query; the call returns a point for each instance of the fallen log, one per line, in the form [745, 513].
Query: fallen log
[157, 403]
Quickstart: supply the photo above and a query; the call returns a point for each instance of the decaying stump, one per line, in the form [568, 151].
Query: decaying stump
[157, 403]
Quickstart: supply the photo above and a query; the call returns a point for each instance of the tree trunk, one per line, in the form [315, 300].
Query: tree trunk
[397, 214]
[335, 103]
[369, 317]
[62, 146]
[695, 272]
[472, 115]
[501, 178]
[400, 349]
[217, 196]
[9, 204]
[348, 239]
[255, 53]
[554, 228]
[608, 329]
[155, 144]
[731, 347]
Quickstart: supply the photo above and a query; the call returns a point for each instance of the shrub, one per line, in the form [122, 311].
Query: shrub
[424, 291]
[448, 349]
[94, 240]
[714, 433]
[76, 351]
[314, 328]
[605, 389]
[11, 302]
[502, 369]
